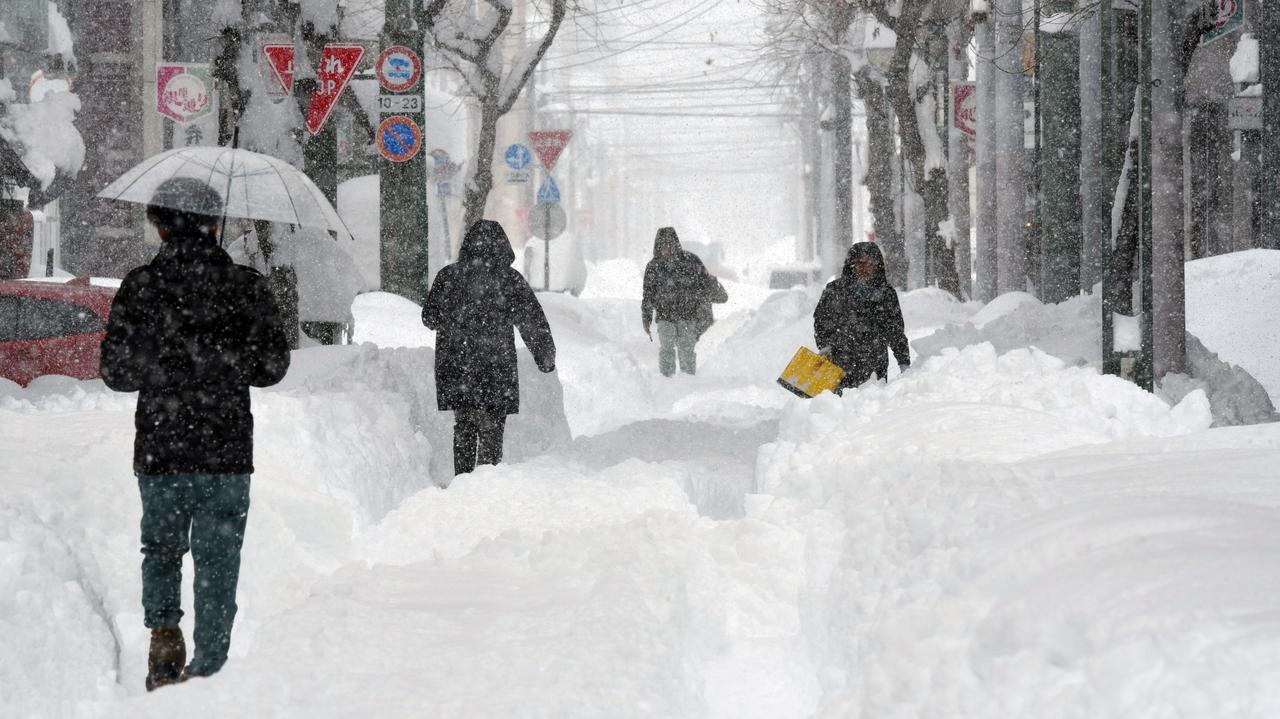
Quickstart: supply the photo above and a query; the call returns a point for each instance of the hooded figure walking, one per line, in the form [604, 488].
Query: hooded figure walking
[678, 292]
[858, 320]
[473, 305]
[191, 332]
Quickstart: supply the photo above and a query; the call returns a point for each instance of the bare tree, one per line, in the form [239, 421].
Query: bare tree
[474, 44]
[910, 89]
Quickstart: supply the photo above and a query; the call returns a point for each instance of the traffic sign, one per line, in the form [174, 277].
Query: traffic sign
[395, 104]
[184, 91]
[964, 103]
[279, 57]
[548, 144]
[338, 63]
[517, 157]
[398, 69]
[549, 193]
[1229, 17]
[547, 220]
[399, 138]
[1244, 113]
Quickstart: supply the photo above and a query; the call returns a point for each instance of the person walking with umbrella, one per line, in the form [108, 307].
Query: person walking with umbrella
[473, 305]
[858, 320]
[190, 332]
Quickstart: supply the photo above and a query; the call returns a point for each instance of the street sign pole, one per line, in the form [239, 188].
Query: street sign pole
[1269, 74]
[402, 183]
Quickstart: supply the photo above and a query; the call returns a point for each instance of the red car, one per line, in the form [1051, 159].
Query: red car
[52, 328]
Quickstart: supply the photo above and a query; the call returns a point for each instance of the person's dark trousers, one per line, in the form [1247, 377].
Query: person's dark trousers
[206, 514]
[477, 438]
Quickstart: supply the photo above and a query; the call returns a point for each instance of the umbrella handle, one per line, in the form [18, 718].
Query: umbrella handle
[235, 142]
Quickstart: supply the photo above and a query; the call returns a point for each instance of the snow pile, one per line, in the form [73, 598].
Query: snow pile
[389, 320]
[1069, 330]
[1237, 397]
[1232, 304]
[45, 136]
[619, 278]
[1002, 535]
[358, 206]
[1244, 61]
[1222, 302]
[60, 39]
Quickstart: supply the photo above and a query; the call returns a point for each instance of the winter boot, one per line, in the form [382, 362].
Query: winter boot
[167, 657]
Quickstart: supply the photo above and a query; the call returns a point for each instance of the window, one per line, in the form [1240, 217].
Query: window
[8, 319]
[41, 317]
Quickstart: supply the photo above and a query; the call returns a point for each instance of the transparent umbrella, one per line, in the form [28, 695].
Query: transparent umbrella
[252, 185]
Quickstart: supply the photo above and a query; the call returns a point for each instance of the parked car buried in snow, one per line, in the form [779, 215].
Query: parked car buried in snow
[52, 328]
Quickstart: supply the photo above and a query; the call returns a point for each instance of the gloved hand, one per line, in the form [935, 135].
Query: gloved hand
[825, 352]
[546, 367]
[647, 331]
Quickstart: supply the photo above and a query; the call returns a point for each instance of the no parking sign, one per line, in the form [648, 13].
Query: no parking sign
[399, 138]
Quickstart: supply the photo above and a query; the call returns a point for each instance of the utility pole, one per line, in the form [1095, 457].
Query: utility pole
[1269, 70]
[1166, 241]
[985, 262]
[402, 186]
[1011, 171]
[1059, 168]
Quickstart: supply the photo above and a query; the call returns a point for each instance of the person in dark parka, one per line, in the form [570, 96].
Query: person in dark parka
[678, 292]
[473, 305]
[858, 320]
[191, 332]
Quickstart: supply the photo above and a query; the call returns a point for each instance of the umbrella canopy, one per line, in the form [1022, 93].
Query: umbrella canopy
[252, 186]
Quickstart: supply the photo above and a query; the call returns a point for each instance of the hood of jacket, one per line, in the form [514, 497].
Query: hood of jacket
[857, 252]
[666, 239]
[487, 242]
[190, 247]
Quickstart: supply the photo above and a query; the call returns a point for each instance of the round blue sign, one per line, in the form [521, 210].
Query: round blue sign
[518, 157]
[399, 138]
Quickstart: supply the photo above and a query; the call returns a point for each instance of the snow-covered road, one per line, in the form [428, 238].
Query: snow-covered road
[990, 535]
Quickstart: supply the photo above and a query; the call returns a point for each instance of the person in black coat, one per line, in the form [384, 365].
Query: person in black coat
[473, 305]
[678, 292]
[858, 320]
[191, 332]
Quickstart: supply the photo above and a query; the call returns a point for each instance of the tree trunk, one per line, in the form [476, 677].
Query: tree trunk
[842, 238]
[913, 123]
[879, 177]
[477, 195]
[958, 37]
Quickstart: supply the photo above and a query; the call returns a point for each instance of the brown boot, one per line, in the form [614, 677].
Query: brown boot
[167, 657]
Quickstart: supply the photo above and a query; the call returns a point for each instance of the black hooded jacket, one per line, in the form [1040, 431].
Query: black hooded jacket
[859, 324]
[473, 306]
[675, 286]
[191, 332]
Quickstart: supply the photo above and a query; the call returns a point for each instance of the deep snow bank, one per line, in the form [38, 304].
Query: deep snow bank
[1003, 535]
[1233, 301]
[348, 435]
[1072, 331]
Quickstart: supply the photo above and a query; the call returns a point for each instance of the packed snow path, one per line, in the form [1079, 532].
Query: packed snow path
[990, 535]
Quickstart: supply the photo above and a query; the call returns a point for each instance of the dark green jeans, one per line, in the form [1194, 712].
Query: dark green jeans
[203, 513]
